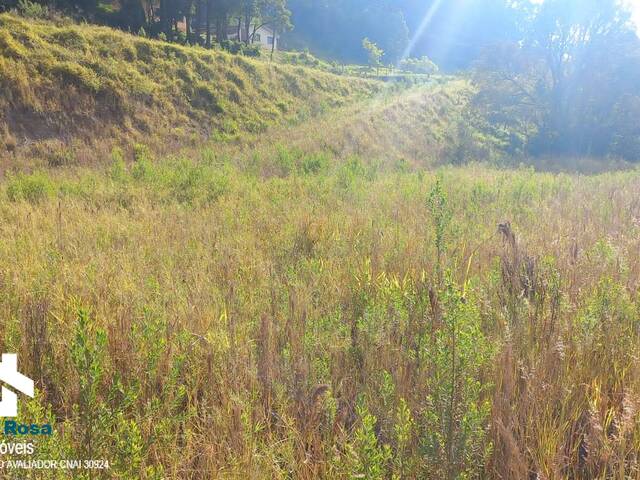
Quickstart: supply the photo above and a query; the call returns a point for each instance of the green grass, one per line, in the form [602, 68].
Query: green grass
[387, 73]
[323, 299]
[340, 318]
[65, 81]
[70, 93]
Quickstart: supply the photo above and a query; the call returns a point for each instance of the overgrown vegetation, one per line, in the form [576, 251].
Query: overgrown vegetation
[568, 86]
[90, 83]
[336, 320]
[316, 292]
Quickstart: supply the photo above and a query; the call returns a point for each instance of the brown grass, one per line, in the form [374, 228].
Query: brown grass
[257, 334]
[312, 302]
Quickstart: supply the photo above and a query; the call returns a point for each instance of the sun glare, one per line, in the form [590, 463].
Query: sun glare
[421, 29]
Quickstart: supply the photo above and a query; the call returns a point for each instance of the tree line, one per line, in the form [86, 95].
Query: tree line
[192, 21]
[568, 86]
[453, 37]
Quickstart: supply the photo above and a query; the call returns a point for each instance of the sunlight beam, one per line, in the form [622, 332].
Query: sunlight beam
[421, 29]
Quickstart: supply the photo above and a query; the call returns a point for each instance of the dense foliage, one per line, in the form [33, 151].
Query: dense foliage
[192, 21]
[293, 315]
[571, 86]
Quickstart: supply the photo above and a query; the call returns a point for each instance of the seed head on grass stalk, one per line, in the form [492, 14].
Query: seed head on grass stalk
[441, 217]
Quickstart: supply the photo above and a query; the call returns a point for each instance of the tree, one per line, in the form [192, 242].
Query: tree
[419, 65]
[274, 14]
[132, 15]
[207, 18]
[571, 37]
[249, 10]
[564, 86]
[509, 81]
[374, 53]
[186, 10]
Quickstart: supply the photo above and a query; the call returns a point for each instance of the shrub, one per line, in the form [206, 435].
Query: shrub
[32, 9]
[239, 48]
[33, 188]
[372, 457]
[252, 50]
[454, 428]
[419, 65]
[88, 352]
[231, 46]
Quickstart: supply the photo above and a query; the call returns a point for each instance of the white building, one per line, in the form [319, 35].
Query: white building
[262, 35]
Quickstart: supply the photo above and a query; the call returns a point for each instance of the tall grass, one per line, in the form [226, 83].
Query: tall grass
[204, 318]
[66, 87]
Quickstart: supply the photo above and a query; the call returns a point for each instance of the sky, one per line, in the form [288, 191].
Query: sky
[635, 7]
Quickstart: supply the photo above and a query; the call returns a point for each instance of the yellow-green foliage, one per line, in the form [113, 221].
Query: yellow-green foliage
[194, 317]
[72, 80]
[313, 305]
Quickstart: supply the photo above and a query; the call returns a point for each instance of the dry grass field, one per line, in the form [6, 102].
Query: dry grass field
[323, 302]
[190, 319]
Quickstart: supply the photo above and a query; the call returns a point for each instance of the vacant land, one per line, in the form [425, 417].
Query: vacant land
[318, 303]
[88, 87]
[187, 318]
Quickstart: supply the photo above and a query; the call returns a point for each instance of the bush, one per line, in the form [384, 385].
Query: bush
[33, 188]
[419, 65]
[231, 46]
[32, 9]
[239, 48]
[252, 50]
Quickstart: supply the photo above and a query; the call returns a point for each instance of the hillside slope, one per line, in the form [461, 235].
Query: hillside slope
[69, 83]
[417, 126]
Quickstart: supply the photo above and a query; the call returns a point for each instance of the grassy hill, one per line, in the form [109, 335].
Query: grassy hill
[273, 280]
[68, 82]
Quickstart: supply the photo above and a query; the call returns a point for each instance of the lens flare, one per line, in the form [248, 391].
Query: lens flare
[422, 28]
